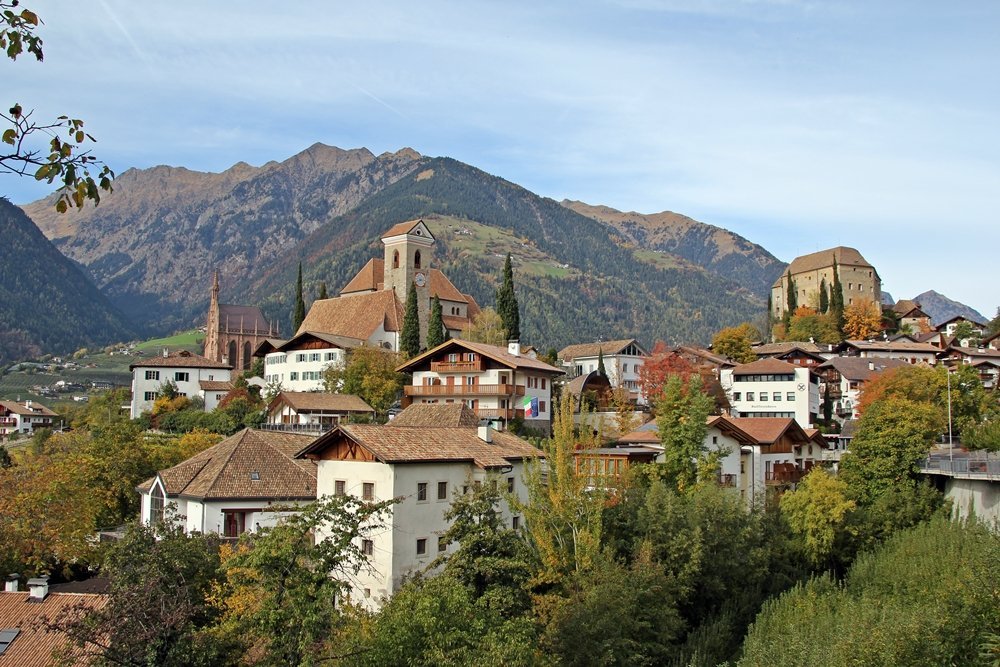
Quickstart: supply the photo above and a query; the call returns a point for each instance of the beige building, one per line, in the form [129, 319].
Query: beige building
[858, 279]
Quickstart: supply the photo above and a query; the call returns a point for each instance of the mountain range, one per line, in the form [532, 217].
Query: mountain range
[153, 244]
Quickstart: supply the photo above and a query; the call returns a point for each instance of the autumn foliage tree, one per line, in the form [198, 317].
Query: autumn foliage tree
[862, 320]
[659, 366]
[735, 343]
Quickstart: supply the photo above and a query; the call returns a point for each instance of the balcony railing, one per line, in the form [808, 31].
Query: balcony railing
[783, 476]
[727, 480]
[457, 366]
[499, 413]
[464, 390]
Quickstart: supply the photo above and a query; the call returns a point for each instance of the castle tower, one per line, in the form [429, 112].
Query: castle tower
[409, 254]
[212, 350]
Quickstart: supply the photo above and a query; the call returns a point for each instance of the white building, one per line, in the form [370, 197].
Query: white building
[422, 467]
[904, 348]
[213, 391]
[246, 481]
[313, 411]
[24, 417]
[496, 383]
[185, 369]
[298, 364]
[844, 381]
[773, 388]
[622, 361]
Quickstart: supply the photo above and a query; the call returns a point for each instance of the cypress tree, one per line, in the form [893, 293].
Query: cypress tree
[824, 297]
[600, 363]
[507, 303]
[837, 299]
[409, 343]
[322, 292]
[300, 305]
[435, 327]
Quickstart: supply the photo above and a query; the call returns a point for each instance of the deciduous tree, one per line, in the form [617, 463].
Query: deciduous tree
[486, 327]
[658, 367]
[370, 373]
[681, 415]
[862, 320]
[817, 512]
[735, 343]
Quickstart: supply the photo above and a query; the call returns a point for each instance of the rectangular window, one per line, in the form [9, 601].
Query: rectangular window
[152, 375]
[442, 544]
[442, 490]
[314, 356]
[543, 383]
[149, 396]
[367, 547]
[181, 377]
[340, 488]
[368, 491]
[331, 356]
[749, 395]
[452, 358]
[541, 406]
[300, 357]
[737, 395]
[421, 492]
[293, 376]
[510, 485]
[422, 546]
[777, 396]
[790, 396]
[515, 523]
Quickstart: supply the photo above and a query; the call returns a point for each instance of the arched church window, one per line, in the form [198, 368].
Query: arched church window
[246, 355]
[395, 259]
[416, 260]
[156, 502]
[231, 356]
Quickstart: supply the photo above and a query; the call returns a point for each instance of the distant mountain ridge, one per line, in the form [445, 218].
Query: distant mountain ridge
[153, 244]
[941, 308]
[47, 303]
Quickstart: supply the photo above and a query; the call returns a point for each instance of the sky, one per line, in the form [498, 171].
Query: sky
[800, 125]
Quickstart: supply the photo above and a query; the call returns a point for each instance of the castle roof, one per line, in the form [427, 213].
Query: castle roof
[824, 258]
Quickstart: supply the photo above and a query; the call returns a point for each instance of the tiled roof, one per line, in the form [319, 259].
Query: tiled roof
[498, 354]
[436, 414]
[908, 308]
[774, 349]
[36, 409]
[764, 366]
[33, 645]
[402, 444]
[267, 346]
[371, 275]
[182, 359]
[767, 430]
[890, 346]
[307, 401]
[957, 318]
[369, 278]
[402, 228]
[355, 315]
[974, 352]
[856, 368]
[702, 353]
[247, 318]
[224, 470]
[817, 260]
[582, 350]
[343, 342]
[215, 385]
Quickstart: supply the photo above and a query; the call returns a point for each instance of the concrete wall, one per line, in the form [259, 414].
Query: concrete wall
[979, 497]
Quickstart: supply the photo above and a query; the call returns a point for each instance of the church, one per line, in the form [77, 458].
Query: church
[370, 306]
[232, 333]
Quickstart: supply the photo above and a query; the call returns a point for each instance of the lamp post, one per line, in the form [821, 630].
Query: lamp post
[951, 447]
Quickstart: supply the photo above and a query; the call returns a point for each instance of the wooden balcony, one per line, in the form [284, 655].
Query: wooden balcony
[501, 413]
[787, 476]
[727, 480]
[463, 390]
[458, 366]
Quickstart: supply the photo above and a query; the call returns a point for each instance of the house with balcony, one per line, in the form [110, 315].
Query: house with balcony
[844, 378]
[185, 369]
[496, 383]
[422, 459]
[904, 348]
[985, 360]
[298, 364]
[949, 327]
[24, 417]
[313, 411]
[622, 361]
[800, 353]
[247, 481]
[770, 388]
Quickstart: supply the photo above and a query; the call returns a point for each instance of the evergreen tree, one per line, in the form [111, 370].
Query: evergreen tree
[600, 363]
[507, 303]
[409, 343]
[824, 297]
[837, 298]
[322, 292]
[435, 327]
[300, 305]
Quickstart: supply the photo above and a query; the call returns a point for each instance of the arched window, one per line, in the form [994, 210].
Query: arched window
[156, 505]
[246, 355]
[231, 359]
[395, 259]
[416, 260]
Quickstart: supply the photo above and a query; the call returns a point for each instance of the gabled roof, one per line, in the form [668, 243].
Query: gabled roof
[765, 366]
[861, 370]
[428, 444]
[34, 643]
[215, 385]
[247, 318]
[497, 354]
[223, 472]
[355, 315]
[778, 349]
[405, 228]
[181, 359]
[889, 346]
[768, 430]
[909, 308]
[295, 343]
[584, 350]
[707, 355]
[309, 401]
[22, 408]
[436, 414]
[267, 346]
[844, 255]
[957, 318]
[368, 279]
[971, 352]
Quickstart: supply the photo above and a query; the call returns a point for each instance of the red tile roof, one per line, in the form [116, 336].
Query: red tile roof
[309, 401]
[765, 366]
[579, 350]
[402, 228]
[436, 414]
[355, 315]
[34, 645]
[182, 359]
[496, 353]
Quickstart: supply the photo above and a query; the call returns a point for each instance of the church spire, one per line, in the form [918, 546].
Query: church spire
[212, 350]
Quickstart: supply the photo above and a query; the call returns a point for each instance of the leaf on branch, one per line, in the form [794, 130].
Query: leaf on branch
[10, 136]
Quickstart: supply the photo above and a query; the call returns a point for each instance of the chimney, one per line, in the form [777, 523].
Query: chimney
[38, 589]
[165, 353]
[11, 585]
[486, 432]
[514, 347]
[27, 404]
[871, 365]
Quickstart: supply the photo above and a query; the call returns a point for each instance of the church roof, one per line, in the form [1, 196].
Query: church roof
[403, 228]
[247, 318]
[355, 315]
[368, 279]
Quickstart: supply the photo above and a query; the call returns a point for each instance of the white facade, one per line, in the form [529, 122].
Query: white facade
[24, 417]
[212, 397]
[416, 522]
[301, 370]
[498, 393]
[793, 393]
[148, 380]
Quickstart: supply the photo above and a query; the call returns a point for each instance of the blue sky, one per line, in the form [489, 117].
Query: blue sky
[800, 125]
